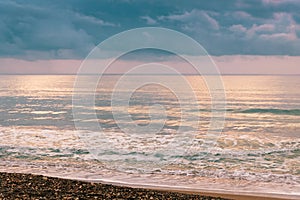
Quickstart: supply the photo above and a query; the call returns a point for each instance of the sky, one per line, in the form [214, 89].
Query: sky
[242, 37]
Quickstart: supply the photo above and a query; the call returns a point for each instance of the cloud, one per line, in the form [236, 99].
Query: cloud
[69, 29]
[194, 18]
[43, 32]
[241, 15]
[281, 26]
[238, 28]
[149, 20]
[278, 2]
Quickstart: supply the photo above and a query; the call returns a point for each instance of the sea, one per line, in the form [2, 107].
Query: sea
[256, 148]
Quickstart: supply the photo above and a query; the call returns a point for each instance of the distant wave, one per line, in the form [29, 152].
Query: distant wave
[295, 112]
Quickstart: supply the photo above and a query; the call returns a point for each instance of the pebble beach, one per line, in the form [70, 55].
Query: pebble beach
[27, 186]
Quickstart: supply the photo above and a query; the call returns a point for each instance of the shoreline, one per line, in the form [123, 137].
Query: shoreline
[211, 193]
[26, 186]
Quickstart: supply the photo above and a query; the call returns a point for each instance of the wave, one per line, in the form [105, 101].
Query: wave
[295, 112]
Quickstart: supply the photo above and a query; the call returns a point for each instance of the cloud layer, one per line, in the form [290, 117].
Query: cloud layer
[69, 29]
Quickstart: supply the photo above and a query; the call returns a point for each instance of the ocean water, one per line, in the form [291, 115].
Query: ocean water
[258, 149]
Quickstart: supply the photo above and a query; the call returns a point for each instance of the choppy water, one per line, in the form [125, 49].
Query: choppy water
[258, 150]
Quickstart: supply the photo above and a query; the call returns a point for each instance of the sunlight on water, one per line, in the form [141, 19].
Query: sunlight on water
[260, 143]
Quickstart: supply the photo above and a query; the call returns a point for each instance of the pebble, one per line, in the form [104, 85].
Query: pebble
[27, 186]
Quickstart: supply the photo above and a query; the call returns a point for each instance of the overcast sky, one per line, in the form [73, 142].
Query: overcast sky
[64, 32]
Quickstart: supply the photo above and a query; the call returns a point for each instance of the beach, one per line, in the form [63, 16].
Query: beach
[28, 186]
[150, 99]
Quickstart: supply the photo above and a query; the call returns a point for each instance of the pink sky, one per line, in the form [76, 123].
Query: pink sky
[226, 64]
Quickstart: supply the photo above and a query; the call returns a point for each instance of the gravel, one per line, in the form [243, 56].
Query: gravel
[27, 186]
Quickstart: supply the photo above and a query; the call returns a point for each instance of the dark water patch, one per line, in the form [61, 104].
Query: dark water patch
[80, 152]
[294, 112]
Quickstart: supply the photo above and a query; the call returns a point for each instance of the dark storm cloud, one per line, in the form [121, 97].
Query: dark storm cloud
[71, 28]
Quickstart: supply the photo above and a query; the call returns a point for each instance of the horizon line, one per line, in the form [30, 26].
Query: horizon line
[119, 74]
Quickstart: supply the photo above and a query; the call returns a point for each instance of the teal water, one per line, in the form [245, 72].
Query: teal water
[258, 148]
